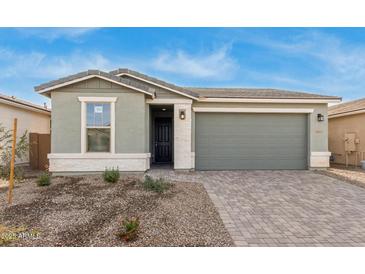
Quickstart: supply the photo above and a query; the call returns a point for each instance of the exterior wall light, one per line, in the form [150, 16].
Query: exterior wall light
[320, 117]
[182, 114]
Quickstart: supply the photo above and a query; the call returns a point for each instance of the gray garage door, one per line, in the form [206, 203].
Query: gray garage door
[225, 141]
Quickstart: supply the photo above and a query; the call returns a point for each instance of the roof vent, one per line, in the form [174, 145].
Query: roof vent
[152, 90]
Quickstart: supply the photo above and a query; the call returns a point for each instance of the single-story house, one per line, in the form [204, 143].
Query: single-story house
[31, 118]
[347, 132]
[129, 120]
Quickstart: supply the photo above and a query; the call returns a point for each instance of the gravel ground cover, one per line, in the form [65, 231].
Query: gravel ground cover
[86, 211]
[353, 175]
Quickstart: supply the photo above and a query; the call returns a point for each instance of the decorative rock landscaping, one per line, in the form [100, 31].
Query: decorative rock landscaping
[87, 211]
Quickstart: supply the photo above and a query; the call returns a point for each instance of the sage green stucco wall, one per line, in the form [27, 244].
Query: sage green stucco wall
[318, 131]
[131, 119]
[65, 123]
[192, 131]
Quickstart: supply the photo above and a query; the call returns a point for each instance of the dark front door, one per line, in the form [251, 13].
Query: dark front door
[163, 142]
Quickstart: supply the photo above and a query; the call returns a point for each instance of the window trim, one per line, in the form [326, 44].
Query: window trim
[84, 101]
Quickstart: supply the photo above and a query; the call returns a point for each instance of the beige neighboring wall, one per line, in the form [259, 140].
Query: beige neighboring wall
[337, 128]
[28, 119]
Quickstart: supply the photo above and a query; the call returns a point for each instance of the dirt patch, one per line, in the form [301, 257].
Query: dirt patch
[352, 175]
[85, 211]
[3, 183]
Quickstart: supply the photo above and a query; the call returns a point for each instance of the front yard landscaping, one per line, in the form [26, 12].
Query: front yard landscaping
[87, 211]
[353, 175]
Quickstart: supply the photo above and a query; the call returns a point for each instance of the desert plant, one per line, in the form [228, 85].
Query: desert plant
[111, 175]
[22, 147]
[129, 229]
[44, 179]
[155, 185]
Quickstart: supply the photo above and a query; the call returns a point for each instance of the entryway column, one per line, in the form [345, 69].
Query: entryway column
[182, 136]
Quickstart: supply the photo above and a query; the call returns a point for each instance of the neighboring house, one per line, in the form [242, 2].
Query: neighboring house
[31, 117]
[347, 132]
[129, 120]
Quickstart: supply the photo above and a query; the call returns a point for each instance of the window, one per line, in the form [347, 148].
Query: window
[97, 124]
[98, 127]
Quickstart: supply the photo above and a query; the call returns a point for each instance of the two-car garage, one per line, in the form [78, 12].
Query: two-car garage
[228, 141]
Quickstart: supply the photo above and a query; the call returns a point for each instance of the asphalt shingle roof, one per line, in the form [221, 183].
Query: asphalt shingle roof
[256, 93]
[348, 107]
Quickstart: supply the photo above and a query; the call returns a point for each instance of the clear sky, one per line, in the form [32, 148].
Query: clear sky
[321, 60]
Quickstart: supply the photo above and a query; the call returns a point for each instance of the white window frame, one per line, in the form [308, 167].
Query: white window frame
[84, 101]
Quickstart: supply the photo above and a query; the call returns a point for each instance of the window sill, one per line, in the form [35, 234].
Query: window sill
[98, 155]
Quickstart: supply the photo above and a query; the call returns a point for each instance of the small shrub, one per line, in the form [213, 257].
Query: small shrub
[155, 185]
[130, 228]
[111, 175]
[44, 179]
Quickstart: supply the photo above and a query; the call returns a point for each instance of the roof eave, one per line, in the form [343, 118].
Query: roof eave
[346, 113]
[22, 105]
[121, 72]
[46, 90]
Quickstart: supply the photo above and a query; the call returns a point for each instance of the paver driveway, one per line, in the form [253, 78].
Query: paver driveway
[283, 208]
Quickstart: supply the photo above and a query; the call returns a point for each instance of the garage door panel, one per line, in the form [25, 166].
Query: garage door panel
[251, 141]
[247, 154]
[232, 164]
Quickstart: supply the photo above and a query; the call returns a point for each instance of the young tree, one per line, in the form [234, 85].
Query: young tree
[22, 147]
